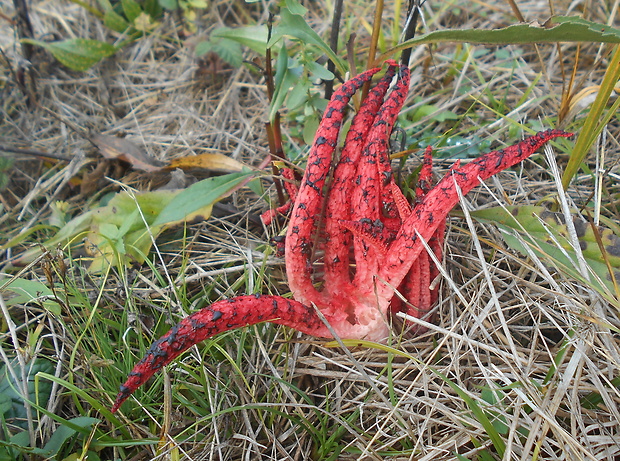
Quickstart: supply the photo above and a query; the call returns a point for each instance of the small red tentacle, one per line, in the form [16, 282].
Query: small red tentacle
[402, 205]
[425, 179]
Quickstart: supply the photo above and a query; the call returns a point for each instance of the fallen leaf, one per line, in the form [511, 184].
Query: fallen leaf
[215, 162]
[113, 147]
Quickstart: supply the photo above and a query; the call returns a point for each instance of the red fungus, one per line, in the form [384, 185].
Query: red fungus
[364, 211]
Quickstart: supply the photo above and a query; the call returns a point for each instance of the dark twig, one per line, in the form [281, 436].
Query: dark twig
[24, 26]
[333, 44]
[274, 135]
[35, 153]
[413, 16]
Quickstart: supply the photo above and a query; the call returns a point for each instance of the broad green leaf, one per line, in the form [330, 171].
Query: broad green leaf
[293, 25]
[131, 9]
[318, 71]
[17, 444]
[27, 291]
[114, 21]
[120, 233]
[197, 200]
[547, 235]
[64, 433]
[254, 37]
[311, 125]
[78, 54]
[299, 94]
[12, 403]
[170, 5]
[228, 50]
[123, 230]
[295, 7]
[557, 29]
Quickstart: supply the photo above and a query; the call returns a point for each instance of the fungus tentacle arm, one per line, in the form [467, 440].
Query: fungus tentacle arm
[427, 216]
[309, 202]
[220, 316]
[338, 240]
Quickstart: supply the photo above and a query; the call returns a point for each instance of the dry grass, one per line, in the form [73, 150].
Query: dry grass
[523, 343]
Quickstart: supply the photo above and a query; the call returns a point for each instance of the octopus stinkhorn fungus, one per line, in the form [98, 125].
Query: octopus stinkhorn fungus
[352, 243]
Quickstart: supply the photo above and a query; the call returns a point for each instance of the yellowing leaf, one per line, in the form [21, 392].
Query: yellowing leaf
[215, 162]
[122, 232]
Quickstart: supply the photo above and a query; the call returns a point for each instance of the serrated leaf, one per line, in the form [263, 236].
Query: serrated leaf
[229, 51]
[203, 48]
[78, 54]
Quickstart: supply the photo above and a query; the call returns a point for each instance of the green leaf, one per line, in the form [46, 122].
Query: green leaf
[295, 7]
[293, 25]
[120, 232]
[13, 402]
[299, 94]
[170, 5]
[254, 37]
[318, 71]
[198, 198]
[311, 125]
[114, 21]
[64, 433]
[78, 54]
[131, 9]
[557, 29]
[284, 80]
[228, 50]
[28, 291]
[123, 230]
